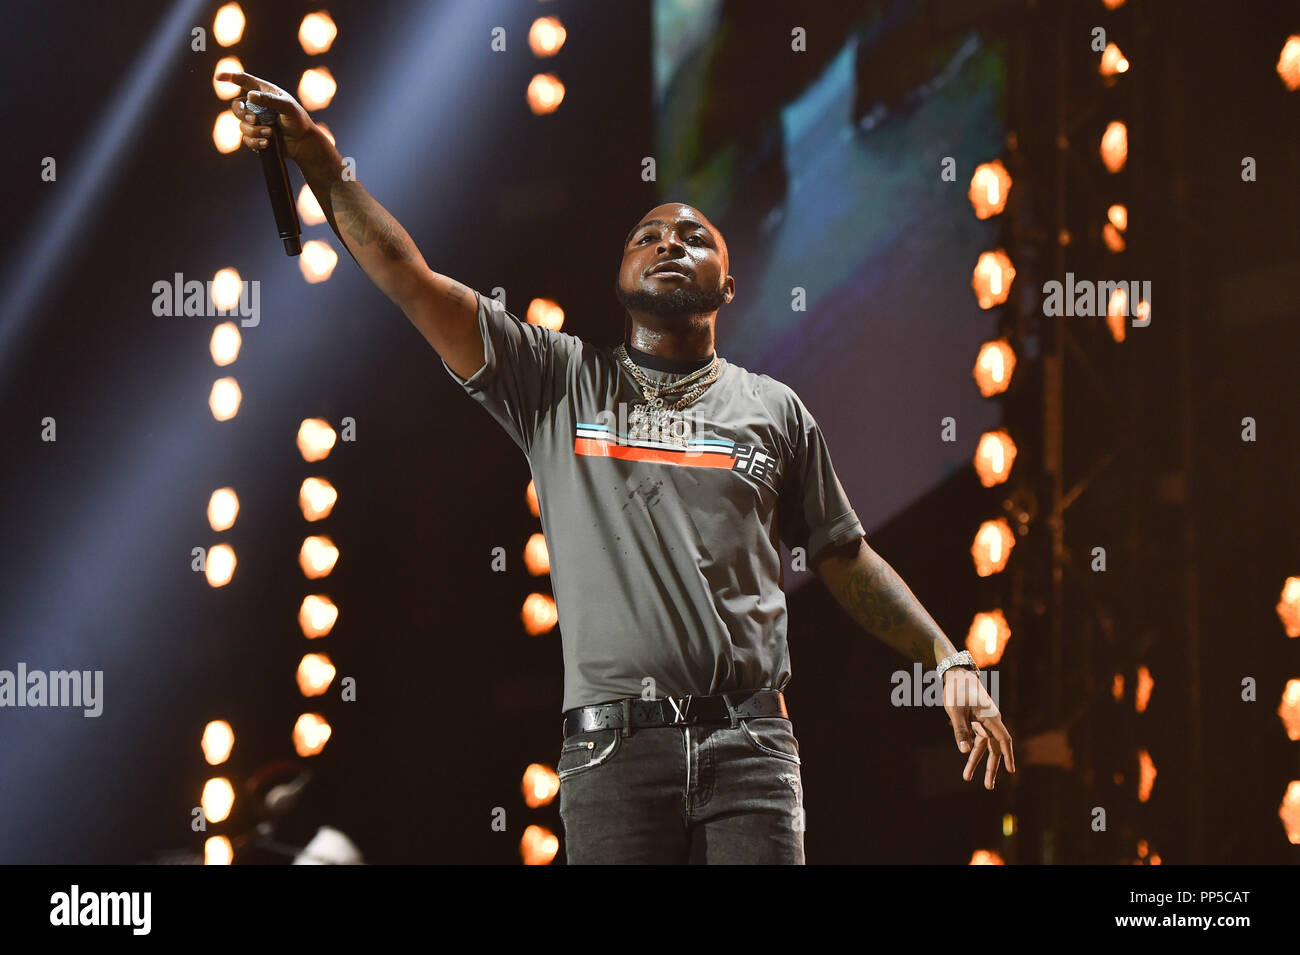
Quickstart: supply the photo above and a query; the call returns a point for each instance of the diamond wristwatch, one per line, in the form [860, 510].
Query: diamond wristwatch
[959, 659]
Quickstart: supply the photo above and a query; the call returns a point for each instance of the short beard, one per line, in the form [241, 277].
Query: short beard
[672, 303]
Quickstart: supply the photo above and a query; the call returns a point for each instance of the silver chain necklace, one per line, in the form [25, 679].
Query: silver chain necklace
[657, 420]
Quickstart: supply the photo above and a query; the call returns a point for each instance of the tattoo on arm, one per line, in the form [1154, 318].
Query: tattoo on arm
[367, 222]
[878, 599]
[351, 211]
[873, 592]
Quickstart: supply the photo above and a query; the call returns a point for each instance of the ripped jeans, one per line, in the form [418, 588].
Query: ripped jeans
[700, 794]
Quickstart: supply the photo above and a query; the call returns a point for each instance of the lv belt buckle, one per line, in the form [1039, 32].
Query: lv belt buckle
[681, 714]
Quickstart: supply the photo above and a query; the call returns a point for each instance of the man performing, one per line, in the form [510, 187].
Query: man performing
[667, 479]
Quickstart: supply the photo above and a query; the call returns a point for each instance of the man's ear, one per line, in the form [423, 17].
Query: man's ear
[730, 284]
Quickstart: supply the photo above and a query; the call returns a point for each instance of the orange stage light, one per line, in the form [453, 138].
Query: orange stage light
[538, 846]
[988, 189]
[540, 784]
[539, 614]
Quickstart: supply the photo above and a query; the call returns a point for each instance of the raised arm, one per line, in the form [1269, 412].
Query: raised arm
[443, 310]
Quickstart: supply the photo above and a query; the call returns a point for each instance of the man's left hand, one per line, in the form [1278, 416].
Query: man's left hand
[977, 724]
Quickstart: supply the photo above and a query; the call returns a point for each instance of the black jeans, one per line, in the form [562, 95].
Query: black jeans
[705, 793]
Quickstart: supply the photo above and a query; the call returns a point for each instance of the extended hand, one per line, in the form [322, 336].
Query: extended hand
[295, 124]
[975, 719]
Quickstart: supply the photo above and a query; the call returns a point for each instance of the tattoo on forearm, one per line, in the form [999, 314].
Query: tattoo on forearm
[365, 220]
[876, 597]
[457, 292]
[873, 592]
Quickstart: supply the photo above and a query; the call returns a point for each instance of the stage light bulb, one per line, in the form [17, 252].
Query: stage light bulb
[544, 312]
[315, 439]
[218, 799]
[224, 399]
[538, 846]
[316, 33]
[219, 568]
[317, 557]
[227, 64]
[217, 850]
[540, 784]
[987, 637]
[317, 261]
[1289, 709]
[1114, 146]
[1142, 692]
[1146, 775]
[546, 36]
[988, 189]
[1288, 63]
[317, 87]
[308, 208]
[1117, 314]
[315, 673]
[223, 508]
[225, 132]
[1113, 62]
[316, 497]
[536, 557]
[317, 615]
[225, 343]
[1288, 607]
[228, 25]
[545, 93]
[218, 741]
[994, 455]
[992, 278]
[310, 734]
[1289, 812]
[1113, 239]
[226, 289]
[539, 614]
[530, 498]
[994, 366]
[992, 547]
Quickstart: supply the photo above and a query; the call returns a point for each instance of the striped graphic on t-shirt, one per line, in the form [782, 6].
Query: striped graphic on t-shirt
[602, 441]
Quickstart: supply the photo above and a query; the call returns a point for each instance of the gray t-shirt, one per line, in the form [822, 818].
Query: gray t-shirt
[665, 561]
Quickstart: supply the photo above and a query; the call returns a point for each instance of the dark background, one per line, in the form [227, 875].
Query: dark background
[453, 700]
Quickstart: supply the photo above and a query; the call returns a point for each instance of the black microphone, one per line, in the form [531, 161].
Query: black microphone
[277, 179]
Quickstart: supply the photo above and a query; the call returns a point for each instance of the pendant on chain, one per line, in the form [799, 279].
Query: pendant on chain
[653, 421]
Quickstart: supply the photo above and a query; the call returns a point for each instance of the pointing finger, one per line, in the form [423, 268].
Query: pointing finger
[246, 81]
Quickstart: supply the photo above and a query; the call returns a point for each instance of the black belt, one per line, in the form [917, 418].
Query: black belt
[631, 714]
